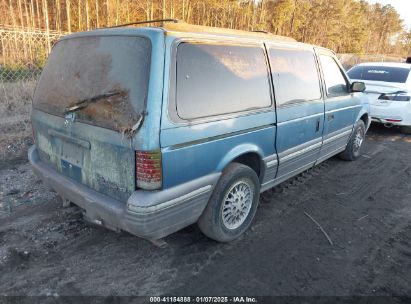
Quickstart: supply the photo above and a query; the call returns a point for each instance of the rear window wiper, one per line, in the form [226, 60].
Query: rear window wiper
[86, 102]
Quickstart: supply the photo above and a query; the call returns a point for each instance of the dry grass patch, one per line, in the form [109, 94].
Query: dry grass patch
[15, 128]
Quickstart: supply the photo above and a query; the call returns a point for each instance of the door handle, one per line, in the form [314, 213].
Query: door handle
[330, 117]
[317, 125]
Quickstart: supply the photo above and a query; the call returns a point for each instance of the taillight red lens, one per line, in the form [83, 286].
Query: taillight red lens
[149, 175]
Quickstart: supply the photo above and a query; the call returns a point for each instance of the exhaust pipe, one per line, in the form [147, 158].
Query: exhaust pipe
[388, 125]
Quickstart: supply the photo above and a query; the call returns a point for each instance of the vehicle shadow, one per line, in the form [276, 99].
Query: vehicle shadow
[380, 132]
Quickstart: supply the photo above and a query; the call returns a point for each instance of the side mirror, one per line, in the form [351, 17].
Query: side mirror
[357, 86]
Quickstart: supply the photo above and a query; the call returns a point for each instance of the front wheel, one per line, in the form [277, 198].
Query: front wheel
[353, 149]
[232, 205]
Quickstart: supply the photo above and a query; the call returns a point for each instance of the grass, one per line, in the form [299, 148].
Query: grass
[15, 128]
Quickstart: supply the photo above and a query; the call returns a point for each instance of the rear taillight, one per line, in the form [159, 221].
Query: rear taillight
[396, 96]
[149, 175]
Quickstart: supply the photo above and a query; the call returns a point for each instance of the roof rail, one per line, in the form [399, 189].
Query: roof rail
[146, 21]
[198, 29]
[260, 31]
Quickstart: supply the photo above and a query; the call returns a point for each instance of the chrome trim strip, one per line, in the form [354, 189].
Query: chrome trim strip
[300, 152]
[335, 137]
[271, 163]
[217, 137]
[271, 160]
[273, 182]
[300, 147]
[176, 201]
[346, 108]
[330, 154]
[338, 131]
[302, 102]
[293, 120]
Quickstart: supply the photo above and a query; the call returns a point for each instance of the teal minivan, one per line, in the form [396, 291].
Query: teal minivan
[151, 129]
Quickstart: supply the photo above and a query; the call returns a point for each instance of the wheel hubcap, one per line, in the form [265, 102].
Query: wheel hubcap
[237, 203]
[358, 139]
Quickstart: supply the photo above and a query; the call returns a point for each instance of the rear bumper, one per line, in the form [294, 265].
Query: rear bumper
[397, 121]
[396, 114]
[148, 214]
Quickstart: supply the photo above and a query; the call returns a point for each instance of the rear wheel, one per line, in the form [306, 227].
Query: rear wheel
[232, 205]
[405, 129]
[353, 149]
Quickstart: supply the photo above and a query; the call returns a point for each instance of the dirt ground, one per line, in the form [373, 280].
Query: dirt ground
[364, 207]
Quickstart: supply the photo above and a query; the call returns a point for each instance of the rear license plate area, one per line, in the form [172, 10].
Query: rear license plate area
[72, 153]
[71, 160]
[70, 170]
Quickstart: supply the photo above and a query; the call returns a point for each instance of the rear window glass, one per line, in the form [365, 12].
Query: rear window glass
[109, 73]
[220, 79]
[379, 73]
[295, 76]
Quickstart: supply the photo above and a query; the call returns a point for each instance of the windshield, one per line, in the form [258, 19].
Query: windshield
[106, 75]
[379, 73]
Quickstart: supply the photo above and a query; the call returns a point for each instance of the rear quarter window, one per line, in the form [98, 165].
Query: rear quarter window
[220, 79]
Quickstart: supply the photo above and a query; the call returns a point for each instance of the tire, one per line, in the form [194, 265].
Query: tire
[241, 184]
[405, 129]
[353, 149]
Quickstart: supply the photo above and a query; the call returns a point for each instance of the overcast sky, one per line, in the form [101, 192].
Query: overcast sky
[402, 6]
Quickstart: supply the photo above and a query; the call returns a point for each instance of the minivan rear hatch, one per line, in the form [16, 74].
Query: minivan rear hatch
[89, 102]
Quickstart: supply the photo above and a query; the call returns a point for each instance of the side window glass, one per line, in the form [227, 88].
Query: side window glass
[335, 82]
[295, 76]
[220, 79]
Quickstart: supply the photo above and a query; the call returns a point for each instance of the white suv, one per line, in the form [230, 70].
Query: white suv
[388, 90]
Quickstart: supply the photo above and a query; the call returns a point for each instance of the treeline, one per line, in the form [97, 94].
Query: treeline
[346, 26]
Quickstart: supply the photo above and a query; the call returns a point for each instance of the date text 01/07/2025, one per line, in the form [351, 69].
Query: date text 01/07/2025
[202, 299]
